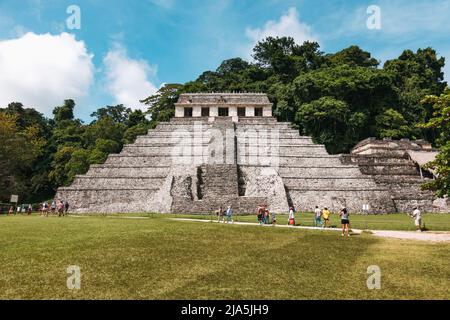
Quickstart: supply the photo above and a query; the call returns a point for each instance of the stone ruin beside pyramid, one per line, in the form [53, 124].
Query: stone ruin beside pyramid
[225, 149]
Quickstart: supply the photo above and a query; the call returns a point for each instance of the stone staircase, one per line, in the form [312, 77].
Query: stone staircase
[400, 175]
[308, 174]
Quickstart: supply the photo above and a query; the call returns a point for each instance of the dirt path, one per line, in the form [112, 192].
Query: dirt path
[404, 235]
[411, 235]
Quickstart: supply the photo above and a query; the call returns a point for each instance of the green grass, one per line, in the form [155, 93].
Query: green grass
[397, 221]
[163, 259]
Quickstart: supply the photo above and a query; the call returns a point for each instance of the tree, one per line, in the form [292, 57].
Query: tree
[135, 118]
[18, 151]
[328, 120]
[365, 91]
[415, 75]
[64, 112]
[162, 104]
[392, 124]
[440, 121]
[352, 56]
[104, 128]
[131, 133]
[78, 164]
[283, 57]
[118, 113]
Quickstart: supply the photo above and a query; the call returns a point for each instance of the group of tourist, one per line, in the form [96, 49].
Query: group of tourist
[321, 217]
[20, 209]
[60, 207]
[221, 213]
[57, 206]
[264, 216]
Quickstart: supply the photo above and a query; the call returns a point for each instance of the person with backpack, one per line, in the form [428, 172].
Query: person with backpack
[229, 215]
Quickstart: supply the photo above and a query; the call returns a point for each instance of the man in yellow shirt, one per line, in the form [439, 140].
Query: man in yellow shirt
[326, 217]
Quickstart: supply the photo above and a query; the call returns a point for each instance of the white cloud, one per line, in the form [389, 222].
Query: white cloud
[289, 25]
[41, 70]
[127, 80]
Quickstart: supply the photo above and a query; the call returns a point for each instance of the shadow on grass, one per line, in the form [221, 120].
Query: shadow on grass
[275, 264]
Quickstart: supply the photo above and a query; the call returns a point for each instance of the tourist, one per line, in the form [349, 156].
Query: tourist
[274, 218]
[291, 220]
[317, 217]
[66, 207]
[417, 215]
[345, 221]
[60, 208]
[266, 216]
[45, 208]
[220, 214]
[260, 214]
[30, 209]
[229, 215]
[326, 217]
[53, 207]
[11, 210]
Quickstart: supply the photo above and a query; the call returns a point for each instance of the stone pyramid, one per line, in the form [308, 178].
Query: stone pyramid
[226, 149]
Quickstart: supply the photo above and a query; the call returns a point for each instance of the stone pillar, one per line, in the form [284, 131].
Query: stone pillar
[250, 111]
[197, 111]
[179, 112]
[267, 111]
[232, 111]
[213, 111]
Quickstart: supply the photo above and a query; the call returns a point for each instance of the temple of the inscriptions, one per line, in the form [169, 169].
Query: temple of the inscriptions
[226, 149]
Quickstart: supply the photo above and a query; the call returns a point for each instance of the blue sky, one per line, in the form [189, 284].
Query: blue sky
[126, 49]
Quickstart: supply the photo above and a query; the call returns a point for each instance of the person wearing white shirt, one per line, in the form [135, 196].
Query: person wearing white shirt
[317, 217]
[417, 219]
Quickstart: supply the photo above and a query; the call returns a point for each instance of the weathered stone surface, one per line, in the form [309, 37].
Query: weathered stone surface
[388, 162]
[195, 165]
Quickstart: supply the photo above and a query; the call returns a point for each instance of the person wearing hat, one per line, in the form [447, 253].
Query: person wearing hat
[291, 220]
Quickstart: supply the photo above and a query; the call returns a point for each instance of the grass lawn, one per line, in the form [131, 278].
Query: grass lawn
[163, 259]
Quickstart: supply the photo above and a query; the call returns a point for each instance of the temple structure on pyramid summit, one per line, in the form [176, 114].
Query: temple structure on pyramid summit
[226, 149]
